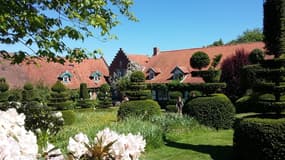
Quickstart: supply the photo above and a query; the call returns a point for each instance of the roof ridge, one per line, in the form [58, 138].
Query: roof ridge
[209, 47]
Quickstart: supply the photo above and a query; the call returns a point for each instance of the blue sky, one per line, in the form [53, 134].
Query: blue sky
[176, 24]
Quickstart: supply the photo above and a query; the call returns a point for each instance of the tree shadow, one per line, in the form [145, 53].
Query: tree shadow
[216, 152]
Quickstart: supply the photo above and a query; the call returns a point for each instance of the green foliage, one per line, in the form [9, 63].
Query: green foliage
[41, 117]
[217, 43]
[171, 108]
[83, 94]
[28, 86]
[250, 35]
[15, 95]
[69, 117]
[216, 60]
[208, 76]
[60, 98]
[209, 88]
[248, 77]
[256, 56]
[4, 87]
[104, 96]
[273, 29]
[142, 108]
[194, 93]
[58, 87]
[86, 103]
[43, 93]
[137, 89]
[33, 23]
[152, 133]
[29, 94]
[215, 111]
[259, 138]
[199, 60]
[172, 100]
[137, 76]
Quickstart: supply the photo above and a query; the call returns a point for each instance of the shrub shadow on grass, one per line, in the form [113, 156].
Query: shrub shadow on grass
[216, 152]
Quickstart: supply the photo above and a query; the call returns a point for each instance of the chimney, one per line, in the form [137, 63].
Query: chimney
[155, 51]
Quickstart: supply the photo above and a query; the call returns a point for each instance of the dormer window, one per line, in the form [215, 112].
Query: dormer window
[65, 77]
[179, 72]
[177, 76]
[152, 73]
[96, 76]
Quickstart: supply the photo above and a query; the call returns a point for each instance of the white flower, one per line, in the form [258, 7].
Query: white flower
[128, 147]
[107, 136]
[15, 142]
[52, 153]
[57, 114]
[77, 145]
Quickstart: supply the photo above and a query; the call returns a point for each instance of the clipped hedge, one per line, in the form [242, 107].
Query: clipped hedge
[208, 76]
[143, 108]
[259, 103]
[215, 111]
[259, 138]
[86, 103]
[138, 94]
[209, 88]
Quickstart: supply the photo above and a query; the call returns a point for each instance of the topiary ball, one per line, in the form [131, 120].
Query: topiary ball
[28, 86]
[215, 111]
[199, 60]
[58, 87]
[142, 108]
[137, 76]
[4, 87]
[256, 56]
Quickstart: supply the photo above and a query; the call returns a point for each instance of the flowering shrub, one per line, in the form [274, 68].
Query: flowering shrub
[39, 116]
[107, 145]
[16, 142]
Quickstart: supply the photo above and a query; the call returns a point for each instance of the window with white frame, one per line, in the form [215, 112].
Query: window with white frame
[65, 79]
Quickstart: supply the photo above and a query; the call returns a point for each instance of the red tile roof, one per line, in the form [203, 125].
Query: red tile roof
[167, 61]
[140, 59]
[48, 73]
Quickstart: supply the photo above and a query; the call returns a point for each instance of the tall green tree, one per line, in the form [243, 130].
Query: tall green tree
[48, 24]
[274, 28]
[250, 35]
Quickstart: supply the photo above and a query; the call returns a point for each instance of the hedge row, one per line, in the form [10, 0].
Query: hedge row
[259, 139]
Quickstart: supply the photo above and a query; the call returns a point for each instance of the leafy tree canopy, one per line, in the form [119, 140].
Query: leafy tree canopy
[47, 24]
[217, 43]
[254, 35]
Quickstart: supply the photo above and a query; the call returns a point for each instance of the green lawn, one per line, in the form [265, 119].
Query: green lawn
[198, 144]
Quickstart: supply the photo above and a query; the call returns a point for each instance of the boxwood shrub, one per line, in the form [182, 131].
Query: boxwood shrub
[259, 138]
[143, 108]
[215, 111]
